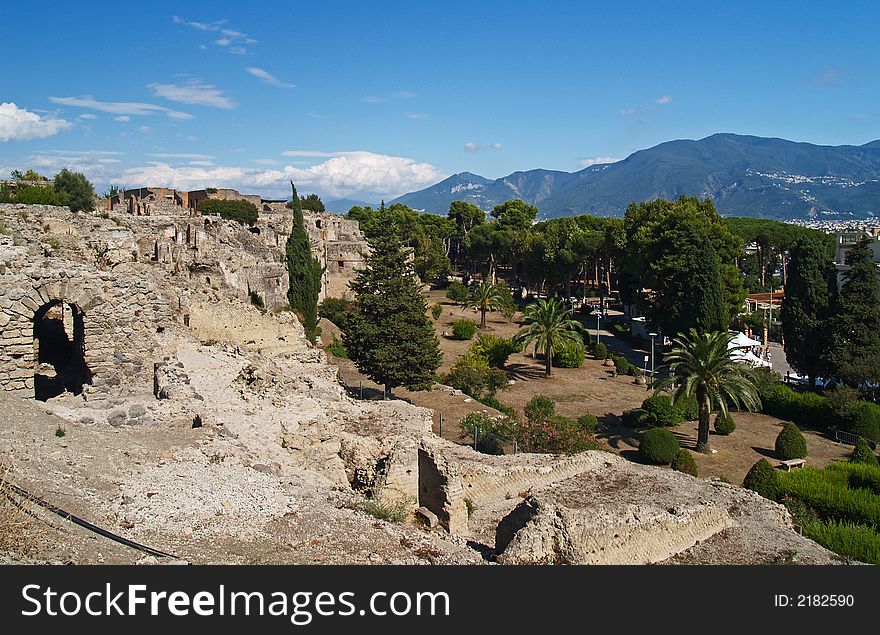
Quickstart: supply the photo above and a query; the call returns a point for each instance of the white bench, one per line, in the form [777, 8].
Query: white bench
[792, 463]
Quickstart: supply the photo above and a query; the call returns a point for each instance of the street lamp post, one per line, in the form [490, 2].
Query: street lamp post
[653, 335]
[598, 317]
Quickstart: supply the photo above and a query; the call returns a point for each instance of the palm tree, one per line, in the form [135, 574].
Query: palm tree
[547, 323]
[485, 297]
[700, 364]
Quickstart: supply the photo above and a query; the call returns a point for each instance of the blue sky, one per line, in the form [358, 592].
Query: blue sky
[371, 100]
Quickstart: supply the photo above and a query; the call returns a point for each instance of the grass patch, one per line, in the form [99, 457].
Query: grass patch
[846, 539]
[395, 509]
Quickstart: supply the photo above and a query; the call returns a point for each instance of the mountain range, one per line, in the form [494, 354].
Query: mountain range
[743, 175]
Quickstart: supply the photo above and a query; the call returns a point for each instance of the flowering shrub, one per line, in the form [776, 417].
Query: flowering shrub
[555, 435]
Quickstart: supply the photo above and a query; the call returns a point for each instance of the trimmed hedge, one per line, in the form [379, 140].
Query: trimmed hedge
[683, 461]
[568, 355]
[762, 478]
[464, 329]
[791, 444]
[847, 539]
[828, 492]
[862, 454]
[814, 411]
[662, 411]
[724, 424]
[858, 475]
[601, 351]
[658, 446]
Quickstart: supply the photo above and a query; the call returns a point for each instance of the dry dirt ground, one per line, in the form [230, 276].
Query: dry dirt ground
[589, 389]
[577, 391]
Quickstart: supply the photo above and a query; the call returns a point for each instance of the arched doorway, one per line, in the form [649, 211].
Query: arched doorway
[59, 350]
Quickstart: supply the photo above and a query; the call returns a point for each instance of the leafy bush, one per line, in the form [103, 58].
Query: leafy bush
[840, 402]
[864, 421]
[243, 212]
[589, 423]
[658, 446]
[471, 374]
[337, 348]
[436, 311]
[555, 435]
[635, 418]
[464, 329]
[621, 364]
[492, 402]
[568, 355]
[765, 381]
[858, 475]
[396, 509]
[257, 300]
[828, 492]
[846, 539]
[601, 351]
[724, 424]
[683, 461]
[862, 454]
[458, 293]
[495, 349]
[662, 411]
[337, 310]
[790, 444]
[762, 478]
[75, 190]
[689, 408]
[539, 408]
[31, 195]
[491, 433]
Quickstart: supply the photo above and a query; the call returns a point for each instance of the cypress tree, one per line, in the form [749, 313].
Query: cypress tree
[855, 352]
[390, 338]
[810, 297]
[304, 270]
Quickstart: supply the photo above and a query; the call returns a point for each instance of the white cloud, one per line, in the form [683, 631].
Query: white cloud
[193, 92]
[233, 40]
[88, 115]
[585, 162]
[404, 94]
[201, 163]
[267, 77]
[665, 99]
[629, 112]
[416, 115]
[122, 118]
[19, 124]
[311, 153]
[373, 99]
[264, 161]
[349, 173]
[180, 155]
[477, 147]
[119, 107]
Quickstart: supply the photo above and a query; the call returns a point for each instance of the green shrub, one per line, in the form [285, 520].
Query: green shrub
[539, 408]
[337, 348]
[589, 423]
[568, 355]
[257, 300]
[555, 435]
[689, 408]
[724, 424]
[858, 475]
[436, 311]
[658, 446]
[495, 349]
[846, 539]
[683, 461]
[337, 310]
[762, 478]
[621, 364]
[471, 374]
[790, 444]
[241, 211]
[458, 293]
[765, 381]
[394, 509]
[464, 329]
[828, 492]
[662, 410]
[491, 433]
[862, 454]
[492, 402]
[635, 418]
[840, 402]
[601, 351]
[864, 421]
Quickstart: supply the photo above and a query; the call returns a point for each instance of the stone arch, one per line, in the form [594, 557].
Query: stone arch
[59, 338]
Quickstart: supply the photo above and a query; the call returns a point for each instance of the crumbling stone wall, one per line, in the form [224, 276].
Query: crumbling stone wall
[440, 489]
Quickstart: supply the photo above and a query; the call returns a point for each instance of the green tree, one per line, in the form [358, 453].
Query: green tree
[311, 202]
[75, 189]
[810, 298]
[485, 297]
[854, 355]
[30, 175]
[304, 271]
[546, 323]
[700, 366]
[390, 338]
